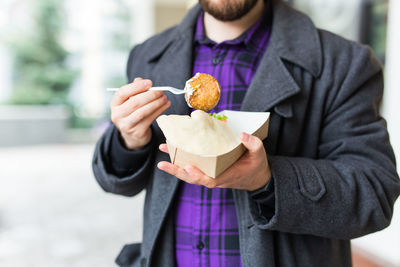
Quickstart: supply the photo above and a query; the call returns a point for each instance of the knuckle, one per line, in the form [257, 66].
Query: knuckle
[153, 94]
[137, 85]
[257, 145]
[158, 93]
[127, 87]
[197, 180]
[136, 80]
[147, 83]
[114, 117]
[158, 102]
[259, 142]
[140, 116]
[211, 185]
[141, 133]
[140, 83]
[261, 149]
[134, 102]
[123, 127]
[118, 94]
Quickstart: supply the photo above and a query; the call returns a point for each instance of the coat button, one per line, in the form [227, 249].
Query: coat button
[200, 245]
[143, 262]
[215, 61]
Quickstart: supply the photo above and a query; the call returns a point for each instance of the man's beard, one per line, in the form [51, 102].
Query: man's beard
[227, 10]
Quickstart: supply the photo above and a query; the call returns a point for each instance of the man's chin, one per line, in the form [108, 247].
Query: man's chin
[227, 10]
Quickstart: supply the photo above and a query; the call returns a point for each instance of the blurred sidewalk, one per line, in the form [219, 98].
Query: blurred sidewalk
[53, 213]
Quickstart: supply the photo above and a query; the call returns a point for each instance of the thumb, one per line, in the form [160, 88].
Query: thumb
[251, 142]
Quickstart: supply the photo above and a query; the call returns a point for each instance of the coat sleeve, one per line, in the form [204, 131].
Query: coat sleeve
[121, 180]
[350, 189]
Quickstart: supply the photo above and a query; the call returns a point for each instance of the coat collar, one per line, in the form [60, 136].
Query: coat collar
[294, 39]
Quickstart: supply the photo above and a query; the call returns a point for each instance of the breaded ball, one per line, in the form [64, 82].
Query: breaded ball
[202, 92]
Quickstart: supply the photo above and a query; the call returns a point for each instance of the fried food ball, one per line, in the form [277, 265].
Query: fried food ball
[202, 92]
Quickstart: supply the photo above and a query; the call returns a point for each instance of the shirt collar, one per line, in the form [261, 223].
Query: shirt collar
[289, 31]
[251, 37]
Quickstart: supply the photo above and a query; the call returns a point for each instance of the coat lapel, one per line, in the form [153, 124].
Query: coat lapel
[273, 83]
[174, 67]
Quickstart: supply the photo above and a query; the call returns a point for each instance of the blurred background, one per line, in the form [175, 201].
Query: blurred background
[57, 58]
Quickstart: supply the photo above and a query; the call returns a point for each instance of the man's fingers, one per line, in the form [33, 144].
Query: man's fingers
[251, 142]
[149, 120]
[126, 91]
[190, 174]
[140, 127]
[163, 148]
[140, 100]
[174, 170]
[143, 112]
[198, 177]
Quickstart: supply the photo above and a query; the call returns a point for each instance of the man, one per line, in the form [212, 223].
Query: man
[325, 174]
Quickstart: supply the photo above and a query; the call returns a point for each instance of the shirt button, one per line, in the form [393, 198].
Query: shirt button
[215, 61]
[200, 245]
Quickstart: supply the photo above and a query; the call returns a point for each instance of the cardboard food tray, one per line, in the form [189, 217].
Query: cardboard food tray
[255, 123]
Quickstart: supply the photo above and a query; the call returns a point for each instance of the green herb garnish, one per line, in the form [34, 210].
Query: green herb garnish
[219, 117]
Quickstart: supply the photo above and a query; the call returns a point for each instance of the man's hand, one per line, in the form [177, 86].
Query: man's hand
[250, 172]
[134, 108]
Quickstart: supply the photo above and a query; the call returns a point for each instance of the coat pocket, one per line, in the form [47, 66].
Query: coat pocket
[129, 255]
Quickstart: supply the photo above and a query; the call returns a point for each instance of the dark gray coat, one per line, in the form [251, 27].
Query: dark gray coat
[328, 147]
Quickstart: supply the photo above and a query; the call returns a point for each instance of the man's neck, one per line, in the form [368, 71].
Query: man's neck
[220, 31]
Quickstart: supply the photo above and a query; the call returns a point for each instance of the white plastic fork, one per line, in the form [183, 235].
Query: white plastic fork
[173, 90]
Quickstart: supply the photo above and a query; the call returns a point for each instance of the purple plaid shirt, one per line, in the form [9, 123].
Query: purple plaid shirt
[206, 228]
